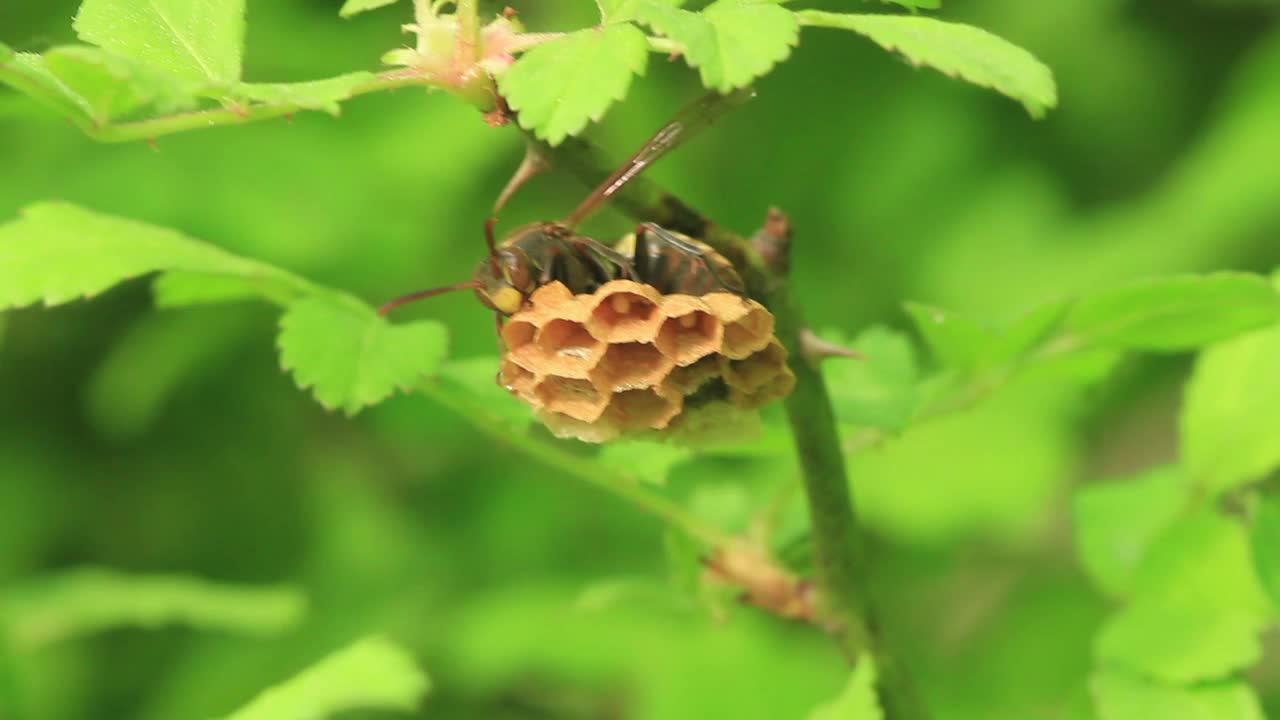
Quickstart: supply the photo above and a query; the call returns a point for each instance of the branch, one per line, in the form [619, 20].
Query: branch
[841, 547]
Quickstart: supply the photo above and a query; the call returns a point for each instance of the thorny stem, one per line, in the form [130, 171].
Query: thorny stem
[841, 548]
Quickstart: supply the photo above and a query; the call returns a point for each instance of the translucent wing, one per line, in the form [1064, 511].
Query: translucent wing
[687, 123]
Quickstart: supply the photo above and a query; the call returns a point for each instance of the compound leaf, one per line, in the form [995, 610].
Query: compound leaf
[1116, 522]
[731, 42]
[1232, 410]
[1121, 695]
[956, 50]
[372, 673]
[560, 86]
[1175, 313]
[88, 600]
[878, 390]
[351, 357]
[55, 253]
[196, 41]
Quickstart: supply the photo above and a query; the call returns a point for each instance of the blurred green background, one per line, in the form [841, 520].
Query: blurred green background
[171, 442]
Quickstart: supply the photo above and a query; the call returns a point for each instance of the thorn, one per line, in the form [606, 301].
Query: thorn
[155, 146]
[815, 349]
[288, 118]
[509, 12]
[531, 166]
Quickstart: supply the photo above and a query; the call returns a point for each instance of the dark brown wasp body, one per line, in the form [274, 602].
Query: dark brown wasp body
[541, 253]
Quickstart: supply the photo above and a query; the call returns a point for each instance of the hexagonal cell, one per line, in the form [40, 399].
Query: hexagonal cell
[518, 336]
[567, 348]
[563, 426]
[551, 295]
[688, 337]
[624, 311]
[573, 397]
[630, 366]
[515, 379]
[757, 370]
[748, 334]
[688, 379]
[634, 410]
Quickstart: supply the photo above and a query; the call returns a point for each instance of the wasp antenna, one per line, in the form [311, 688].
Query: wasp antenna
[492, 242]
[424, 294]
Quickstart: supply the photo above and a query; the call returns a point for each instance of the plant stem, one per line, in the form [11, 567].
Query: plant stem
[152, 128]
[468, 34]
[841, 548]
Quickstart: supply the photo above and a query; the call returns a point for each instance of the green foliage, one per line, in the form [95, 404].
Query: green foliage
[858, 699]
[90, 600]
[1195, 606]
[879, 390]
[198, 42]
[644, 461]
[1123, 696]
[731, 42]
[370, 674]
[354, 7]
[315, 95]
[1231, 412]
[1175, 313]
[56, 253]
[349, 357]
[1265, 538]
[956, 50]
[559, 87]
[1117, 522]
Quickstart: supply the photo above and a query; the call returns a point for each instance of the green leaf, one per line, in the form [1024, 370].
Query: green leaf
[1196, 606]
[1179, 644]
[858, 699]
[196, 41]
[354, 7]
[559, 86]
[313, 95]
[880, 390]
[1232, 410]
[1123, 696]
[1265, 537]
[962, 51]
[956, 341]
[1117, 521]
[640, 460]
[1175, 313]
[182, 288]
[83, 601]
[372, 674]
[1024, 335]
[111, 86]
[55, 253]
[27, 73]
[350, 357]
[731, 42]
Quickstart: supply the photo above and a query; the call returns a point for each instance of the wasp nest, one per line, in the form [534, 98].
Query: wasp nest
[628, 360]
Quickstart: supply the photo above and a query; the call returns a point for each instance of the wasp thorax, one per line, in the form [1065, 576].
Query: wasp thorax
[627, 360]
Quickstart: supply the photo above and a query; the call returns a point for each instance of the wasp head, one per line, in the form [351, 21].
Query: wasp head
[505, 280]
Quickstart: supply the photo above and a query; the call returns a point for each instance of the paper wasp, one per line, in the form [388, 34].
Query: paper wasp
[545, 252]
